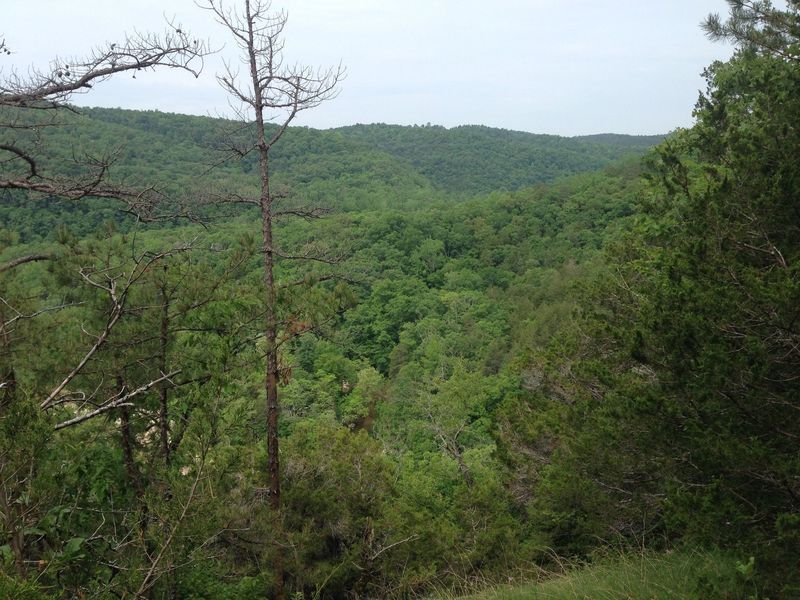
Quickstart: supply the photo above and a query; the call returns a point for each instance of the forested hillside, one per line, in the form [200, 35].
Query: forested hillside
[499, 357]
[342, 170]
[474, 159]
[336, 168]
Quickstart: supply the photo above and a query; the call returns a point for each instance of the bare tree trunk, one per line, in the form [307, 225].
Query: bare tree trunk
[134, 476]
[163, 389]
[280, 91]
[11, 521]
[271, 379]
[271, 333]
[13, 526]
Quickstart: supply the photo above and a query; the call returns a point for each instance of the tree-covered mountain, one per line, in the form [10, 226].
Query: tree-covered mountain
[347, 169]
[397, 384]
[474, 387]
[464, 160]
[355, 168]
[476, 159]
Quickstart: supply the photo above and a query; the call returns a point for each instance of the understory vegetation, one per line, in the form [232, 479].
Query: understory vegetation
[504, 358]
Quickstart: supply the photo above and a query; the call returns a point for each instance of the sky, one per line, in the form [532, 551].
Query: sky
[566, 67]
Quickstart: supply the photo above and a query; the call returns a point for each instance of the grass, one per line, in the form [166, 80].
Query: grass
[646, 576]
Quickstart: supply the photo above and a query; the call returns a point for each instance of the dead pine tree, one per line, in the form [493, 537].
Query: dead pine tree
[270, 94]
[273, 94]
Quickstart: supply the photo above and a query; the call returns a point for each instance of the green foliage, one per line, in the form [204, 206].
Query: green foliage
[349, 169]
[644, 577]
[13, 589]
[482, 383]
[473, 159]
[403, 388]
[338, 485]
[670, 412]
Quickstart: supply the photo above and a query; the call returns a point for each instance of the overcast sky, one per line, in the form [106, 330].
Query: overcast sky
[566, 67]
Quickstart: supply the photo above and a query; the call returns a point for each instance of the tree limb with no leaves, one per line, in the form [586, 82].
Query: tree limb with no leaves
[52, 88]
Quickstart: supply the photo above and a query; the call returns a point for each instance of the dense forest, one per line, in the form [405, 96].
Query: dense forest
[497, 356]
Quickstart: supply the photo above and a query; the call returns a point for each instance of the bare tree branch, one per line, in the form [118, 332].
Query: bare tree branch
[306, 213]
[123, 400]
[20, 153]
[118, 295]
[12, 264]
[4, 325]
[54, 86]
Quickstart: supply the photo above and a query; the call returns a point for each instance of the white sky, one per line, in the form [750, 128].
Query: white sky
[566, 67]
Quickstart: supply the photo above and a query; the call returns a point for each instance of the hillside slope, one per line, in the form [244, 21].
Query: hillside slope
[475, 159]
[363, 167]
